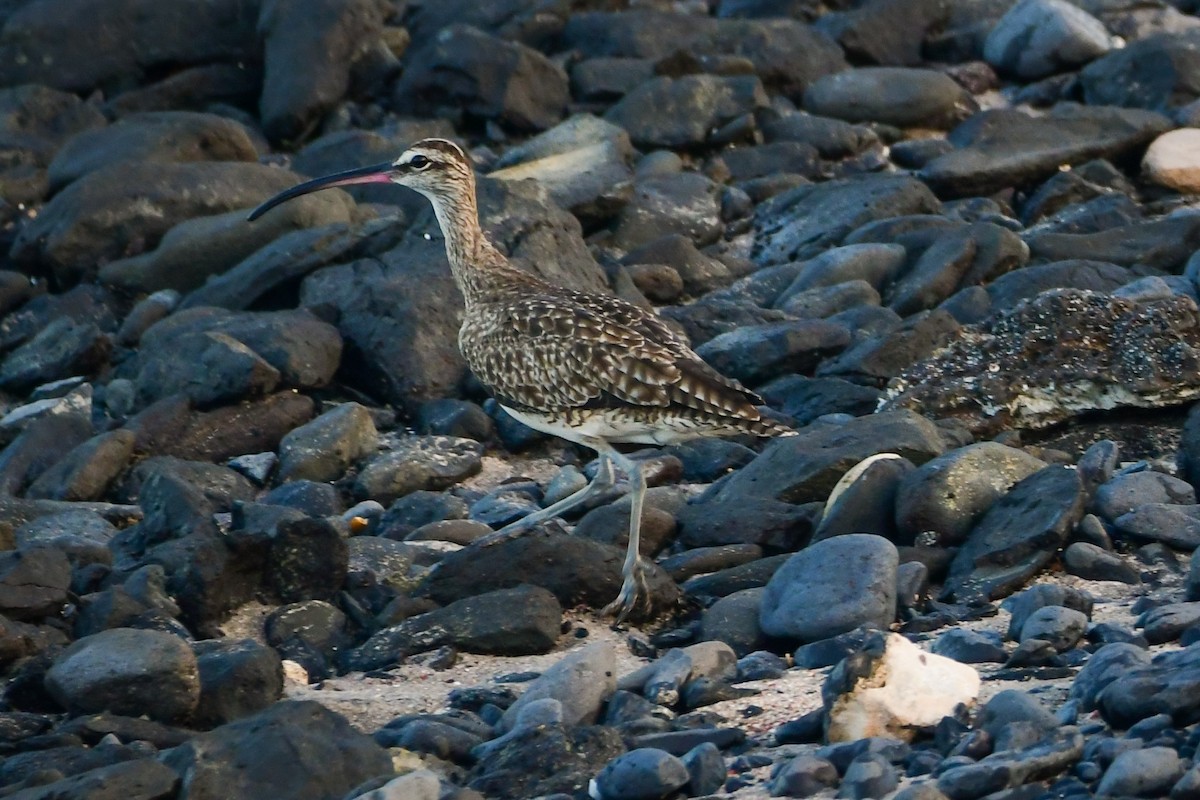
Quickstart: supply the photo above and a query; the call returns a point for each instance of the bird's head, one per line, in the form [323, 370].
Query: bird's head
[437, 168]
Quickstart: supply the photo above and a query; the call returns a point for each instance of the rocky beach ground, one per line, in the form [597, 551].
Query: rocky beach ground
[242, 465]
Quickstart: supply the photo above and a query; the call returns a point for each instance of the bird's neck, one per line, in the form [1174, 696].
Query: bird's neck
[474, 261]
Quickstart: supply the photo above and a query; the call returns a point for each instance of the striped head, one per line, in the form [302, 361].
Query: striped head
[437, 168]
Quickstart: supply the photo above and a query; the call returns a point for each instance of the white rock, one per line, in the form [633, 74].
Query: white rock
[907, 689]
[294, 674]
[1173, 160]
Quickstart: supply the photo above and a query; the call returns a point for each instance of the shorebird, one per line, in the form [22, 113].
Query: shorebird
[590, 368]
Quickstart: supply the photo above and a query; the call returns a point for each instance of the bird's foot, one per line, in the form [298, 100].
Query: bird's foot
[634, 592]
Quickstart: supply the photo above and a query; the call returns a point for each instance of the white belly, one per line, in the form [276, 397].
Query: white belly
[587, 427]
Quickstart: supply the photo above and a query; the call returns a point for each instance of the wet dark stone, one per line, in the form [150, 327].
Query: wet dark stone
[308, 560]
[298, 749]
[505, 81]
[890, 95]
[1004, 148]
[518, 621]
[237, 678]
[574, 570]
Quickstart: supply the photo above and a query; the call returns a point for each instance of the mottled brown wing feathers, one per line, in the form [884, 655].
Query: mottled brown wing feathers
[574, 350]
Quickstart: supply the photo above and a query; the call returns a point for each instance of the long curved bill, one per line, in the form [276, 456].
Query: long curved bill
[377, 173]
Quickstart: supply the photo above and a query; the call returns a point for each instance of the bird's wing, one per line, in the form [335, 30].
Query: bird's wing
[578, 350]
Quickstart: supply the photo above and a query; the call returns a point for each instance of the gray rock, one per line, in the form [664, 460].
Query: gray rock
[806, 221]
[1125, 492]
[516, 621]
[34, 582]
[1012, 706]
[832, 587]
[309, 50]
[1192, 587]
[237, 678]
[195, 250]
[1023, 284]
[868, 504]
[138, 779]
[1018, 535]
[868, 776]
[576, 571]
[296, 749]
[463, 67]
[321, 450]
[975, 254]
[1094, 563]
[41, 45]
[950, 493]
[756, 353]
[969, 647]
[642, 774]
[583, 163]
[127, 207]
[899, 96]
[685, 203]
[1037, 38]
[1061, 627]
[1174, 525]
[1004, 147]
[307, 559]
[804, 468]
[803, 776]
[705, 103]
[38, 120]
[706, 769]
[1124, 78]
[64, 347]
[169, 136]
[1150, 772]
[418, 463]
[127, 671]
[1166, 623]
[230, 371]
[1127, 244]
[83, 535]
[875, 359]
[581, 681]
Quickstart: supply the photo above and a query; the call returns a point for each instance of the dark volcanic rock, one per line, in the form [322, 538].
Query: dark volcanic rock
[1018, 535]
[308, 560]
[33, 582]
[123, 209]
[237, 678]
[309, 49]
[42, 42]
[949, 494]
[1003, 148]
[1157, 72]
[574, 570]
[465, 68]
[832, 587]
[63, 348]
[321, 450]
[127, 671]
[169, 136]
[1062, 354]
[1165, 243]
[139, 779]
[684, 112]
[88, 470]
[509, 622]
[36, 121]
[293, 749]
[804, 468]
[753, 354]
[417, 463]
[805, 221]
[892, 95]
[1037, 38]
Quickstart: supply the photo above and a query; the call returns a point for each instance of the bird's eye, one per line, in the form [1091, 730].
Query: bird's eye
[419, 162]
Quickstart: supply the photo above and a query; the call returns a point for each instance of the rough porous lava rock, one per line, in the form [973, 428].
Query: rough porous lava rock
[1061, 354]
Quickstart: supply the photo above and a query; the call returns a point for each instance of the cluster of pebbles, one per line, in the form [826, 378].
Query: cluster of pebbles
[951, 242]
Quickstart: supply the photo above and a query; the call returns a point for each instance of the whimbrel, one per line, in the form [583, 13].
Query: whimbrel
[590, 368]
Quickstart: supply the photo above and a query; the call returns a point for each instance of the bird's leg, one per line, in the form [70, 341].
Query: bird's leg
[634, 580]
[600, 483]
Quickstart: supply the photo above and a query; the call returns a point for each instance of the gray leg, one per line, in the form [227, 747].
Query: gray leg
[600, 483]
[634, 581]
